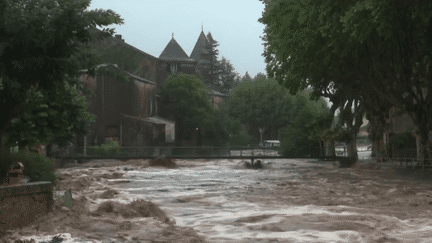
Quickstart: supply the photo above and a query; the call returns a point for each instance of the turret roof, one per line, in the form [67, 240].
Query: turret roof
[199, 46]
[173, 51]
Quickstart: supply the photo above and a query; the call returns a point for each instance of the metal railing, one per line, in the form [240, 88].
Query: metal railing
[172, 152]
[402, 162]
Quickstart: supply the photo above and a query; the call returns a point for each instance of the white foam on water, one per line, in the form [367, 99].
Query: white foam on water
[206, 208]
[67, 238]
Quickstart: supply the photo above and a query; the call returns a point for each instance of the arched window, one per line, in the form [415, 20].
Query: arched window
[173, 68]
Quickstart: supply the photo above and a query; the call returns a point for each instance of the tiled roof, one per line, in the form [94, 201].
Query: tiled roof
[130, 47]
[153, 119]
[217, 93]
[126, 72]
[199, 47]
[173, 51]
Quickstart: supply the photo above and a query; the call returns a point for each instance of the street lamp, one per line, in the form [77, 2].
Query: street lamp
[261, 130]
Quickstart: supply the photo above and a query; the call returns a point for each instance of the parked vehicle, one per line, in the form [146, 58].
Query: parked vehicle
[271, 143]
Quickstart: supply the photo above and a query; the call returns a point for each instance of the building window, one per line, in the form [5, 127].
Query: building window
[111, 133]
[151, 107]
[156, 107]
[173, 68]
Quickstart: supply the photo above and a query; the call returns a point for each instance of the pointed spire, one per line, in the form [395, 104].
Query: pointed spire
[199, 46]
[173, 51]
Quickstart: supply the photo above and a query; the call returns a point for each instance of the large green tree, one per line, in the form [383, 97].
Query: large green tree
[210, 68]
[302, 136]
[394, 38]
[265, 106]
[186, 98]
[260, 104]
[312, 55]
[43, 43]
[229, 78]
[369, 48]
[246, 77]
[67, 113]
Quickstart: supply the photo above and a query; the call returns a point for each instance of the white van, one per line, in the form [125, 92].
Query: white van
[271, 143]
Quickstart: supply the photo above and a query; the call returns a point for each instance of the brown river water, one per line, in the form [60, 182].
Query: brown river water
[289, 200]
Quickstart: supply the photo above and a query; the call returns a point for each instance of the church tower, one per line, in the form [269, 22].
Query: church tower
[200, 46]
[175, 60]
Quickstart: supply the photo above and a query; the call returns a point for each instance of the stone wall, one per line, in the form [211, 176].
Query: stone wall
[21, 204]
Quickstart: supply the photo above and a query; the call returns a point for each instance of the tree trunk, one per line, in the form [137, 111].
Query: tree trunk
[49, 150]
[330, 149]
[199, 138]
[179, 132]
[22, 148]
[321, 143]
[423, 133]
[376, 147]
[3, 148]
[352, 148]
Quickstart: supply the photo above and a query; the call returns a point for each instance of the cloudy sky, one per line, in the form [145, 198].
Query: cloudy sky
[149, 25]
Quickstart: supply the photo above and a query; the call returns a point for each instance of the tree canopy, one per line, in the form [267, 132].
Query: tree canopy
[229, 78]
[187, 99]
[210, 67]
[303, 135]
[263, 103]
[353, 52]
[43, 43]
[67, 113]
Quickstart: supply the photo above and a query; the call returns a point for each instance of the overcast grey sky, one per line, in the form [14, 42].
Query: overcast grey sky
[149, 25]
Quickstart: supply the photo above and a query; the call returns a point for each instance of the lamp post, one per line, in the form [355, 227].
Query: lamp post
[261, 131]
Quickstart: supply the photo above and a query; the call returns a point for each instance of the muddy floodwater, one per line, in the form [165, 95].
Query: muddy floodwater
[287, 201]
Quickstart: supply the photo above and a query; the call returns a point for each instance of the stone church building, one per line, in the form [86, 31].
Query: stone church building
[128, 112]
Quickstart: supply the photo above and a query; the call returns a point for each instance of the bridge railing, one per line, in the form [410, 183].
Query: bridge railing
[402, 162]
[149, 152]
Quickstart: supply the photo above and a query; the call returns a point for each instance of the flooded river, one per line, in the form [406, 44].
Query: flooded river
[288, 200]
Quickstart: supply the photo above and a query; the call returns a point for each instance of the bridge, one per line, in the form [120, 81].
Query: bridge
[126, 153]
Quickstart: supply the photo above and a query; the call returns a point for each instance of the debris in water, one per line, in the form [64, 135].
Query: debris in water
[162, 161]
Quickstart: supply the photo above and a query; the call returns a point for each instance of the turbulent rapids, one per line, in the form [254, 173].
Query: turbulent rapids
[221, 201]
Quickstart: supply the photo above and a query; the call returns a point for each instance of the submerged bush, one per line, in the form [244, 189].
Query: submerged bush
[111, 148]
[36, 166]
[162, 161]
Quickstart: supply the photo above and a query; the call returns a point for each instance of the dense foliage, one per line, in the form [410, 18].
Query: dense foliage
[36, 166]
[67, 114]
[43, 44]
[303, 135]
[263, 104]
[187, 99]
[111, 148]
[365, 56]
[229, 78]
[210, 68]
[236, 131]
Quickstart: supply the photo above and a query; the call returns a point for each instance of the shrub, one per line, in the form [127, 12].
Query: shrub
[111, 148]
[403, 140]
[296, 144]
[36, 166]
